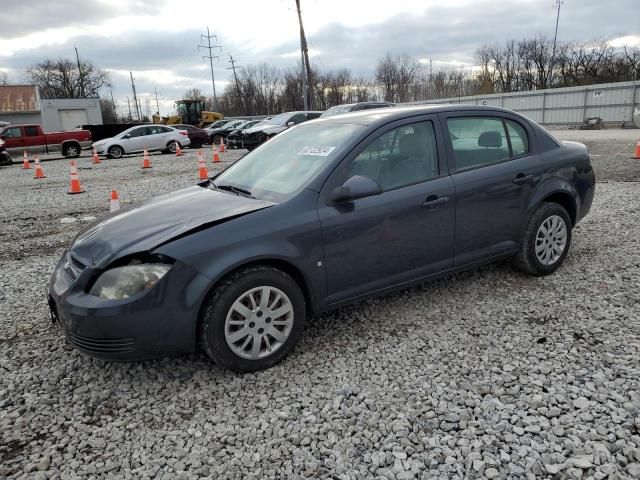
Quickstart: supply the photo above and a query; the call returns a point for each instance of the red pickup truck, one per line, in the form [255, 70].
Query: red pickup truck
[31, 138]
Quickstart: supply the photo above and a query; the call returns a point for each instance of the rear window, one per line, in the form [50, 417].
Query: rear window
[477, 141]
[31, 131]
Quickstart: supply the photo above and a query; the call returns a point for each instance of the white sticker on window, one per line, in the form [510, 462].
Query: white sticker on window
[319, 151]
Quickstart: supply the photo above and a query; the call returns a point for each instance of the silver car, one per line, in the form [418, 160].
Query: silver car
[136, 139]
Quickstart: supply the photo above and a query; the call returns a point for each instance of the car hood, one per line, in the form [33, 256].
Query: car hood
[157, 221]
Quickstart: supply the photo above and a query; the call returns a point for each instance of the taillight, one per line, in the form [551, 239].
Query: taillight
[183, 132]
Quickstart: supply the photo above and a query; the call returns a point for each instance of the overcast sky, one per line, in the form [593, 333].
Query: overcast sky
[158, 39]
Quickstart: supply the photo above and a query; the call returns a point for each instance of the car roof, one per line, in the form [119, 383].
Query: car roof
[389, 114]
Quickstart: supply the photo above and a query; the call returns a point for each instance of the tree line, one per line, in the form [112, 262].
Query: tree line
[516, 65]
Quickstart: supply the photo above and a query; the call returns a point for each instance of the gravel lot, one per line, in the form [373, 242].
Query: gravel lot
[488, 374]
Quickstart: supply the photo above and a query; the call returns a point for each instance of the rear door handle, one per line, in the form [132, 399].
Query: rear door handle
[434, 201]
[521, 179]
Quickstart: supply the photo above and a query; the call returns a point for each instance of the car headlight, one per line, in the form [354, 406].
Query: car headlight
[123, 282]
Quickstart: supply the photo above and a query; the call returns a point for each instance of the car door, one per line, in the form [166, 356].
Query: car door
[34, 142]
[136, 140]
[159, 137]
[14, 140]
[494, 172]
[402, 234]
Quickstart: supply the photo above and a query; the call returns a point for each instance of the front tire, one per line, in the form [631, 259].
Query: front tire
[253, 319]
[115, 152]
[546, 240]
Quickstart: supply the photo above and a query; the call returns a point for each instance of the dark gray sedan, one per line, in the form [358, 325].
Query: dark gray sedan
[325, 214]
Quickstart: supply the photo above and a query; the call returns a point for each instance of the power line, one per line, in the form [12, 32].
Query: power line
[210, 47]
[157, 104]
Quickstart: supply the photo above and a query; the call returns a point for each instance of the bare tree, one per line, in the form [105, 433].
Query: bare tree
[4, 79]
[62, 78]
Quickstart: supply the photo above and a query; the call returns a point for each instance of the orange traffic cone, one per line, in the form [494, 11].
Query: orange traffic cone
[636, 153]
[115, 201]
[38, 172]
[96, 157]
[146, 161]
[75, 187]
[25, 161]
[202, 168]
[178, 150]
[216, 157]
[222, 146]
[74, 168]
[200, 157]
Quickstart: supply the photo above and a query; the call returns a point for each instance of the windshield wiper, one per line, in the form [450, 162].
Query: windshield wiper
[234, 189]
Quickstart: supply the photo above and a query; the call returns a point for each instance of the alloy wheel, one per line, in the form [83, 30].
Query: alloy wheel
[259, 322]
[551, 240]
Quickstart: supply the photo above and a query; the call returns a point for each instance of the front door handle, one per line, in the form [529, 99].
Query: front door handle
[433, 201]
[521, 179]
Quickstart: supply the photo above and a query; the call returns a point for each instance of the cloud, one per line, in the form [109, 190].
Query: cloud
[161, 48]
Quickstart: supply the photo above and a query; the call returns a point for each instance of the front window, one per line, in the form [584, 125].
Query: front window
[402, 156]
[13, 132]
[286, 163]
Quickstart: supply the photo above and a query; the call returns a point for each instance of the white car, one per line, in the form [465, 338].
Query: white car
[136, 139]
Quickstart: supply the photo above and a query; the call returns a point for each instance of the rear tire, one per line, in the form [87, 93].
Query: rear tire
[171, 146]
[71, 150]
[238, 311]
[216, 139]
[546, 240]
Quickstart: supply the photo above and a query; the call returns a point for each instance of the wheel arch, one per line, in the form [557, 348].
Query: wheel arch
[278, 263]
[565, 200]
[116, 145]
[67, 143]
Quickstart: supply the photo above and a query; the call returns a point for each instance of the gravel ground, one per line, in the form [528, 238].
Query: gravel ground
[488, 374]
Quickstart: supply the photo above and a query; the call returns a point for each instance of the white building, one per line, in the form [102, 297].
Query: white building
[22, 104]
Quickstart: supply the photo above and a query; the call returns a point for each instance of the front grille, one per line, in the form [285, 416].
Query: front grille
[102, 345]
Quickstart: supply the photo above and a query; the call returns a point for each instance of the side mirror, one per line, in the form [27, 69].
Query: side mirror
[290, 124]
[354, 188]
[128, 135]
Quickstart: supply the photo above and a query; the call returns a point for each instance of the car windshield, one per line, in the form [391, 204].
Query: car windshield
[337, 110]
[234, 124]
[278, 119]
[218, 124]
[250, 124]
[285, 164]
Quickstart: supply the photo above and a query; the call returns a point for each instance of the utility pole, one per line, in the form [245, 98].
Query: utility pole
[306, 68]
[210, 47]
[233, 67]
[129, 104]
[135, 98]
[557, 5]
[113, 105]
[80, 76]
[157, 104]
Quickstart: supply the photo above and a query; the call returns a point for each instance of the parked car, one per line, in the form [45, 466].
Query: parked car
[218, 133]
[31, 138]
[354, 107]
[270, 128]
[218, 124]
[197, 136]
[136, 139]
[234, 138]
[5, 157]
[325, 214]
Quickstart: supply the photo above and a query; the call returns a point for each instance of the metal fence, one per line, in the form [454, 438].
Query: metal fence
[615, 103]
